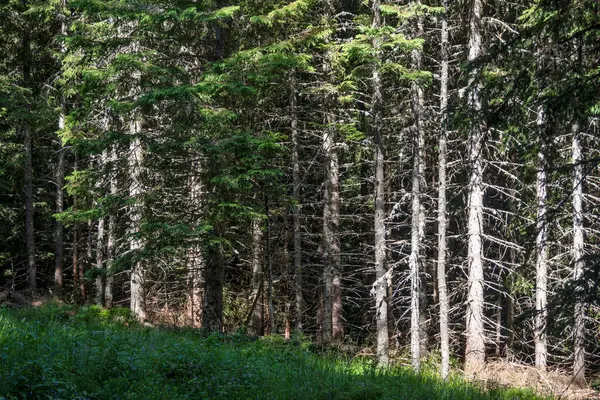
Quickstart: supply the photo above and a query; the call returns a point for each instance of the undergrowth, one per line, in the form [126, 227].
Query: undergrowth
[63, 352]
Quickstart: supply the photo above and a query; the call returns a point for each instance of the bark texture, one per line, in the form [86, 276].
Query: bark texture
[417, 220]
[380, 285]
[256, 321]
[28, 167]
[194, 254]
[137, 299]
[298, 282]
[442, 217]
[577, 257]
[541, 276]
[475, 333]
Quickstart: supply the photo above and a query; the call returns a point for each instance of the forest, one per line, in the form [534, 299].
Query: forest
[418, 178]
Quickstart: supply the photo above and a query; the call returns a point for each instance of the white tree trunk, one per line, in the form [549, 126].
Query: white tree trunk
[137, 300]
[417, 221]
[100, 264]
[541, 299]
[111, 233]
[578, 254]
[194, 256]
[103, 164]
[475, 346]
[442, 187]
[332, 319]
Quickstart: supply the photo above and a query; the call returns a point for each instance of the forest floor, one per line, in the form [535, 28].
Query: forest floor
[64, 352]
[556, 383]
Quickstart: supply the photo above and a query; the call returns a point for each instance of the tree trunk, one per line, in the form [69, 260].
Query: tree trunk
[541, 301]
[417, 220]
[256, 322]
[578, 254]
[59, 176]
[100, 279]
[299, 303]
[76, 256]
[29, 229]
[111, 234]
[269, 270]
[380, 286]
[100, 238]
[137, 299]
[475, 333]
[212, 316]
[28, 167]
[194, 256]
[442, 187]
[333, 328]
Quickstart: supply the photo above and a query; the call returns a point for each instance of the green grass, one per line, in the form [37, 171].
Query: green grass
[62, 352]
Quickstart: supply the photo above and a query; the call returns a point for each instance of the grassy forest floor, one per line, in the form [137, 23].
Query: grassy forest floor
[64, 352]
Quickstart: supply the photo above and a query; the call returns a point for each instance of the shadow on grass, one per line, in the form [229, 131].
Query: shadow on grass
[62, 352]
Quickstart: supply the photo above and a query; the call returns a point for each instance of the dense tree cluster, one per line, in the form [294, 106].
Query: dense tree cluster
[409, 175]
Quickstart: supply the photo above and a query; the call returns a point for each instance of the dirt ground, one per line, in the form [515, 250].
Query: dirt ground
[554, 382]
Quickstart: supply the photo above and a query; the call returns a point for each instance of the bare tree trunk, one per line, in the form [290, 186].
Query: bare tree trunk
[510, 323]
[327, 324]
[59, 257]
[194, 256]
[269, 270]
[541, 300]
[111, 234]
[212, 316]
[578, 254]
[100, 239]
[442, 188]
[60, 175]
[195, 267]
[76, 256]
[87, 262]
[256, 322]
[137, 299]
[100, 279]
[28, 168]
[77, 295]
[380, 285]
[299, 304]
[29, 229]
[498, 325]
[333, 328]
[475, 348]
[417, 223]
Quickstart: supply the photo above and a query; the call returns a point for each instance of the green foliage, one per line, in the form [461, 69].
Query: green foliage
[58, 351]
[283, 14]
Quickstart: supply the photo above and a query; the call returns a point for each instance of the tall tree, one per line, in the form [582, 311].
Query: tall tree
[541, 299]
[137, 281]
[60, 167]
[578, 256]
[442, 217]
[475, 332]
[417, 218]
[380, 286]
[25, 130]
[297, 239]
